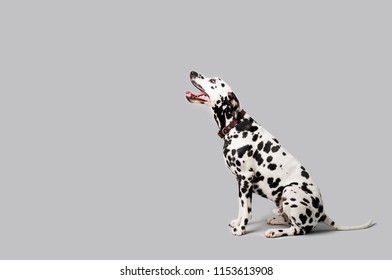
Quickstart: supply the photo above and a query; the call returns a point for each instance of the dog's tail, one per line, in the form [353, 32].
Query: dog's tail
[331, 223]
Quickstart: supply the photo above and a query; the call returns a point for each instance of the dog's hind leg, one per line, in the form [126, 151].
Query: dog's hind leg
[295, 218]
[272, 233]
[280, 219]
[294, 228]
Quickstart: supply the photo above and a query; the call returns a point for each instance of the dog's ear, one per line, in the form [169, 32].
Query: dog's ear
[233, 100]
[233, 103]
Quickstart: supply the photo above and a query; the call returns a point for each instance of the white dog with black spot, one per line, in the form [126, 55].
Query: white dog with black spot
[262, 166]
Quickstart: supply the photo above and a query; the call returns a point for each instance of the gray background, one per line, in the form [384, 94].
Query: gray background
[102, 157]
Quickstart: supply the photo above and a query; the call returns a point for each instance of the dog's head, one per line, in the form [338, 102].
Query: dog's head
[215, 93]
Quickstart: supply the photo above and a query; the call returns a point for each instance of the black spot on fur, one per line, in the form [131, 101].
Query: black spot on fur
[255, 137]
[305, 174]
[305, 188]
[226, 144]
[321, 209]
[267, 147]
[269, 159]
[303, 218]
[233, 152]
[273, 183]
[260, 145]
[278, 192]
[274, 149]
[257, 179]
[307, 229]
[260, 192]
[243, 227]
[238, 163]
[246, 221]
[244, 125]
[284, 154]
[294, 206]
[257, 156]
[241, 151]
[253, 128]
[292, 199]
[315, 202]
[276, 140]
[308, 212]
[272, 166]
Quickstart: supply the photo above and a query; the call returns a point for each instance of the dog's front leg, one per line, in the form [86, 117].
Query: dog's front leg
[245, 206]
[236, 222]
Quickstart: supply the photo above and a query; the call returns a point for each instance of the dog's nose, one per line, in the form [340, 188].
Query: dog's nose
[193, 74]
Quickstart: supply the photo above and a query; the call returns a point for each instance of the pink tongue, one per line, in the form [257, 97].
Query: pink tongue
[191, 93]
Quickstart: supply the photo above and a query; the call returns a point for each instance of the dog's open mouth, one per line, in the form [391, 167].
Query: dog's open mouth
[200, 97]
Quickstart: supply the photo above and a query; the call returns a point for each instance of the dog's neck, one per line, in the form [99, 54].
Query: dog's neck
[227, 119]
[222, 116]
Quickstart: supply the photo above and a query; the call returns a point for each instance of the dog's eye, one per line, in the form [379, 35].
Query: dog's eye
[212, 81]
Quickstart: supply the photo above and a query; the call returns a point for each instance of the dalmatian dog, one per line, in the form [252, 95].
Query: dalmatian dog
[262, 166]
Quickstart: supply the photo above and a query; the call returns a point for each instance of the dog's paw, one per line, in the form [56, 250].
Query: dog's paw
[271, 221]
[276, 221]
[238, 231]
[235, 223]
[271, 233]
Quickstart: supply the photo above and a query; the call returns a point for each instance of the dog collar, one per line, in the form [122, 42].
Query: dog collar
[233, 123]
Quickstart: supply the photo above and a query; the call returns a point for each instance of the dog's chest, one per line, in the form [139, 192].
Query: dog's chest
[247, 152]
